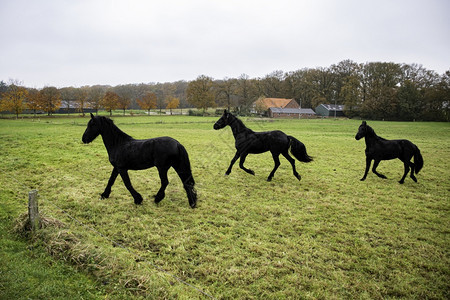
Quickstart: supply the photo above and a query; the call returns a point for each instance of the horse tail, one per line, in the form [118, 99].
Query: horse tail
[183, 169]
[298, 149]
[418, 160]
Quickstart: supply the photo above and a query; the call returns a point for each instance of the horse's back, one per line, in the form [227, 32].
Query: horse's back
[404, 145]
[165, 140]
[274, 141]
[164, 145]
[144, 154]
[391, 149]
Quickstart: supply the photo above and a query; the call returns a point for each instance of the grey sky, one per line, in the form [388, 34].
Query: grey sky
[74, 43]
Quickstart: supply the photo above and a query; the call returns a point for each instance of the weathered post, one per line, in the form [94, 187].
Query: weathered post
[33, 211]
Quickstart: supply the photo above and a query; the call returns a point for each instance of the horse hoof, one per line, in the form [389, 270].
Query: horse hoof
[104, 196]
[269, 179]
[158, 198]
[138, 200]
[401, 182]
[362, 179]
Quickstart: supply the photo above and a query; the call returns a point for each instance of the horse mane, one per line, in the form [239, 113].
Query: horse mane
[117, 134]
[370, 132]
[240, 123]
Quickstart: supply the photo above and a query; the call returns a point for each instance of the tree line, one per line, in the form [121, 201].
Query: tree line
[373, 90]
[15, 98]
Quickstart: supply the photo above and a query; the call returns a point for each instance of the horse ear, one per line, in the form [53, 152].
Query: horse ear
[92, 116]
[225, 112]
[364, 123]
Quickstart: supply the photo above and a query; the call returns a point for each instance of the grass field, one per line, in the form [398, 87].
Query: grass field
[327, 236]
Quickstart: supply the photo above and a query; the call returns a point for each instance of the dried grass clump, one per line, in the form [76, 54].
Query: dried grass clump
[22, 225]
[112, 266]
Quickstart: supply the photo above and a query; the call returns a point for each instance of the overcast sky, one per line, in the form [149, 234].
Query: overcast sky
[74, 43]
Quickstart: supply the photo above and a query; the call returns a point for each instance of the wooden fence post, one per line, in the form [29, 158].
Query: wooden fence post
[33, 211]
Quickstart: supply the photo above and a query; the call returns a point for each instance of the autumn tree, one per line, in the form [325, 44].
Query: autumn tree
[292, 86]
[345, 71]
[95, 97]
[351, 95]
[160, 101]
[3, 89]
[123, 102]
[226, 90]
[75, 98]
[33, 100]
[199, 92]
[168, 92]
[147, 102]
[409, 101]
[82, 99]
[246, 92]
[124, 93]
[380, 82]
[13, 99]
[172, 103]
[437, 100]
[299, 86]
[110, 101]
[180, 93]
[272, 85]
[68, 96]
[50, 99]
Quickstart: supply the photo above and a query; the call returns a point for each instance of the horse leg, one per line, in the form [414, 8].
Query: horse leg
[406, 165]
[241, 164]
[111, 181]
[276, 160]
[368, 162]
[292, 161]
[126, 180]
[188, 184]
[236, 156]
[164, 183]
[374, 169]
[413, 166]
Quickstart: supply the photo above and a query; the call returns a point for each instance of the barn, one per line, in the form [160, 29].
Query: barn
[263, 105]
[330, 110]
[275, 112]
[71, 106]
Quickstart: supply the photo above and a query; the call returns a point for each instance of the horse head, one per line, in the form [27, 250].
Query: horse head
[93, 129]
[223, 121]
[362, 130]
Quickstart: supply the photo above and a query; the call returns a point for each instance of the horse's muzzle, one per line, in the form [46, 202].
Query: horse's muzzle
[85, 139]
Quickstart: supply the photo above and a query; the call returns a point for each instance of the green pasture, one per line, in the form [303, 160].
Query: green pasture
[328, 236]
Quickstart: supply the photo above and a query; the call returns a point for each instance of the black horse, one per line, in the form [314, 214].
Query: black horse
[247, 141]
[378, 149]
[126, 153]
